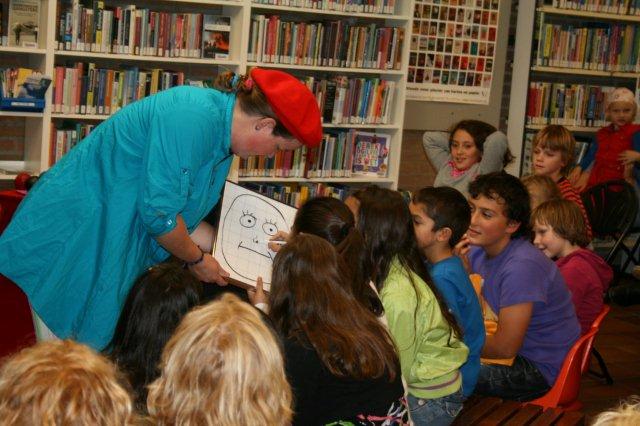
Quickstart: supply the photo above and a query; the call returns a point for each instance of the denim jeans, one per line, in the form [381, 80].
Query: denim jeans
[437, 412]
[521, 381]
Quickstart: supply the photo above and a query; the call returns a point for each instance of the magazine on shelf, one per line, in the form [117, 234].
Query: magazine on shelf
[215, 36]
[24, 19]
[370, 154]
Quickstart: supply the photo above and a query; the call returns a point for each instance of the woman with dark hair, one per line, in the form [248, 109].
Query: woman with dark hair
[426, 334]
[468, 149]
[158, 300]
[340, 360]
[135, 191]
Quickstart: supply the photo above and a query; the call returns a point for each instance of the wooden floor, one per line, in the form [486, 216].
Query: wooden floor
[619, 344]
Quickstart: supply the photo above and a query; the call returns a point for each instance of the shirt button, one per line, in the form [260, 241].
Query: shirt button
[169, 222]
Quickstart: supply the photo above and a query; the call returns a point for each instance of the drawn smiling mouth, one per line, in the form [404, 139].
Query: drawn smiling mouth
[268, 255]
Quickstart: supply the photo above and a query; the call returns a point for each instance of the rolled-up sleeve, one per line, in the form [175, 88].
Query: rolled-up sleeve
[177, 146]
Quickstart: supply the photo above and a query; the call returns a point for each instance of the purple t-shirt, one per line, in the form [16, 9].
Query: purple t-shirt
[519, 274]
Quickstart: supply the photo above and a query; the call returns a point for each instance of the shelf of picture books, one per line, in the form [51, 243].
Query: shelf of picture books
[295, 194]
[64, 136]
[340, 43]
[161, 32]
[344, 155]
[22, 90]
[332, 6]
[84, 88]
[592, 45]
[616, 8]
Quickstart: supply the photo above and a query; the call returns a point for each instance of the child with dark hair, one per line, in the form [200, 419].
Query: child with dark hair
[154, 307]
[440, 218]
[561, 234]
[470, 148]
[340, 360]
[524, 290]
[427, 335]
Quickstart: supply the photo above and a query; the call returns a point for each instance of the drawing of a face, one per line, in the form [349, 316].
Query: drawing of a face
[246, 230]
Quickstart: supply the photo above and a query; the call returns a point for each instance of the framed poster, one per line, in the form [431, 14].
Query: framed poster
[452, 52]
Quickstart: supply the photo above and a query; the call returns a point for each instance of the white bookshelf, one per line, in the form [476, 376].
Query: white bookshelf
[525, 70]
[47, 56]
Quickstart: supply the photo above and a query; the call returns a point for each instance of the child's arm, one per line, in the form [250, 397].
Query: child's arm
[436, 146]
[513, 322]
[495, 146]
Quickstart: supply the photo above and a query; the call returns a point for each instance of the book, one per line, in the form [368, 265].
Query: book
[34, 86]
[215, 36]
[24, 19]
[371, 154]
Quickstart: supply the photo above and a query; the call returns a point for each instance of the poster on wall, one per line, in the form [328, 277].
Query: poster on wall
[452, 53]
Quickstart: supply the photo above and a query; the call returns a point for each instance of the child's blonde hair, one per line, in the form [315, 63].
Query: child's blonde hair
[61, 382]
[565, 218]
[548, 188]
[223, 366]
[627, 414]
[557, 138]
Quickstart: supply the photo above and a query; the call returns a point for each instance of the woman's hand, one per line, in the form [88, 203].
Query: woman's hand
[209, 271]
[462, 251]
[257, 295]
[629, 156]
[279, 236]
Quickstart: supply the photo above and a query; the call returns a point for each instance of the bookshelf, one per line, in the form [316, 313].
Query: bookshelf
[51, 54]
[589, 50]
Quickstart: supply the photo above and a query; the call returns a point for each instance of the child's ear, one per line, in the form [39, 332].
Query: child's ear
[512, 227]
[443, 234]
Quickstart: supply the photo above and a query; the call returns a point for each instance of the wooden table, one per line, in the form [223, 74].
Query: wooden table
[494, 411]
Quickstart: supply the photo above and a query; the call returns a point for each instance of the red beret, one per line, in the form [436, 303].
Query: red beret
[293, 103]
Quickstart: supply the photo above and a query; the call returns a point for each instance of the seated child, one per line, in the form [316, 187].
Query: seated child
[469, 149]
[541, 188]
[61, 382]
[440, 218]
[340, 360]
[537, 322]
[223, 366]
[612, 154]
[560, 233]
[426, 334]
[156, 303]
[553, 156]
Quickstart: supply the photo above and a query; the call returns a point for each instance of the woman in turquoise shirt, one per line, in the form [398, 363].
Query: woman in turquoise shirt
[129, 195]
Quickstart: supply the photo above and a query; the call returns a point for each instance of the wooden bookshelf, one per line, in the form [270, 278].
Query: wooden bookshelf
[532, 17]
[48, 56]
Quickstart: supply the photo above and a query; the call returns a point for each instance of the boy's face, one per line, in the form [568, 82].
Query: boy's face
[621, 113]
[490, 228]
[547, 162]
[422, 226]
[551, 244]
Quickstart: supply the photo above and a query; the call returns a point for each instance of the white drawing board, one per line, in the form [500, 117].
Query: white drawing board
[247, 221]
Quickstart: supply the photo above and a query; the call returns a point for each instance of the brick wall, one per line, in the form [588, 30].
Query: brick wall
[12, 138]
[415, 169]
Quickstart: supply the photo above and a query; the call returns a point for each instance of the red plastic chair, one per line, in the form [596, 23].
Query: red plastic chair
[9, 201]
[586, 362]
[564, 393]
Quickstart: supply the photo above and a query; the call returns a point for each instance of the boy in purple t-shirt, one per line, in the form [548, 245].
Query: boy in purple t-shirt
[537, 323]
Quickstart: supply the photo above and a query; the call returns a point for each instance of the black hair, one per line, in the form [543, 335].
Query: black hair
[385, 221]
[330, 219]
[448, 208]
[508, 190]
[156, 303]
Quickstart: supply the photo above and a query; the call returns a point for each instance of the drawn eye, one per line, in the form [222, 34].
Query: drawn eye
[269, 228]
[247, 220]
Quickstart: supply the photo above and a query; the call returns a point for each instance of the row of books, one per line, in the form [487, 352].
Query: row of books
[135, 31]
[620, 7]
[23, 83]
[85, 89]
[567, 104]
[357, 6]
[296, 194]
[596, 46]
[340, 43]
[358, 100]
[65, 137]
[341, 154]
